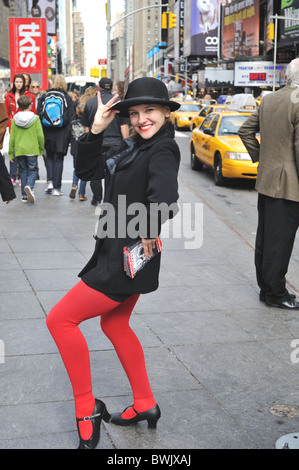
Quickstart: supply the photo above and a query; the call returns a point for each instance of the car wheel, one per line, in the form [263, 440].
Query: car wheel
[218, 177]
[176, 125]
[196, 165]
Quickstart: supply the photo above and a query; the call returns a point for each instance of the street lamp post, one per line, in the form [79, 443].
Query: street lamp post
[276, 18]
[109, 27]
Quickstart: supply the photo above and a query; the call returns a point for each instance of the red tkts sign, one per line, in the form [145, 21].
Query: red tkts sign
[28, 47]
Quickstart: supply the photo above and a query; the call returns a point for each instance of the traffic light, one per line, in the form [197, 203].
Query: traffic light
[270, 32]
[164, 20]
[103, 73]
[94, 72]
[172, 20]
[169, 22]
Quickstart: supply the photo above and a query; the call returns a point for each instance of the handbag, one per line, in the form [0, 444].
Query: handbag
[134, 258]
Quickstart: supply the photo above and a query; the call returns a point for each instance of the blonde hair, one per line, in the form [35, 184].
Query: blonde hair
[59, 83]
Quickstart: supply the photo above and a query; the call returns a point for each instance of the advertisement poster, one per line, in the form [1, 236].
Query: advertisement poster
[258, 74]
[289, 29]
[201, 27]
[28, 48]
[179, 34]
[44, 9]
[240, 29]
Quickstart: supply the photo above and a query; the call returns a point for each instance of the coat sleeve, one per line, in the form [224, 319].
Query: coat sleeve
[89, 162]
[3, 123]
[40, 137]
[162, 189]
[6, 188]
[247, 133]
[11, 151]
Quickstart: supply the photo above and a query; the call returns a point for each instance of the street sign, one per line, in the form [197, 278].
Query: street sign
[102, 61]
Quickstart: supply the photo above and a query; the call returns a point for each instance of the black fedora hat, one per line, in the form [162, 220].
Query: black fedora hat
[145, 90]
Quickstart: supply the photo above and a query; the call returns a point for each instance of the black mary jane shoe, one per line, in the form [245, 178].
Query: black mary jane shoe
[151, 416]
[100, 412]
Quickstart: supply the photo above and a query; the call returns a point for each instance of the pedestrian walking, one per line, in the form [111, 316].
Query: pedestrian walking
[56, 110]
[115, 133]
[6, 187]
[36, 92]
[11, 103]
[144, 169]
[26, 143]
[76, 131]
[277, 121]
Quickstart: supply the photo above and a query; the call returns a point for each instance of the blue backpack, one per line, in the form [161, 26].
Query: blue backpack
[54, 109]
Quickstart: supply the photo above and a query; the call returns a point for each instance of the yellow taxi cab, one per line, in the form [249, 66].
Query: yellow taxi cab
[203, 113]
[216, 144]
[181, 117]
[206, 101]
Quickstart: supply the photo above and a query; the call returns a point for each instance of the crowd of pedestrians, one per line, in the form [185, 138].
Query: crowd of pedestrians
[48, 123]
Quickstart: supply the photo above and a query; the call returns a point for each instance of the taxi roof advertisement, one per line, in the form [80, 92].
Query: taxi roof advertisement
[201, 20]
[289, 30]
[240, 29]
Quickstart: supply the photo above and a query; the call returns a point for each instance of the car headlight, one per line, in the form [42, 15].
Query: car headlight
[184, 118]
[237, 155]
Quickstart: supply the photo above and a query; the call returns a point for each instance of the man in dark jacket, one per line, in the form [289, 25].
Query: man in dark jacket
[113, 135]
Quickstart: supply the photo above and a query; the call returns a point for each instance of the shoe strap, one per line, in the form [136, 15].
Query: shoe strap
[131, 406]
[87, 418]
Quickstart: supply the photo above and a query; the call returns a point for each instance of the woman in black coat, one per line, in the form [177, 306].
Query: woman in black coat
[57, 136]
[141, 192]
[6, 188]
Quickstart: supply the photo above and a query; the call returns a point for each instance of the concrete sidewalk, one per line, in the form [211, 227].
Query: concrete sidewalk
[222, 365]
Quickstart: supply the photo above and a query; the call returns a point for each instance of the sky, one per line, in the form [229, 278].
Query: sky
[93, 15]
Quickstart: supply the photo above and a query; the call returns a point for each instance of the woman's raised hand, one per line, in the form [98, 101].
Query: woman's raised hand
[104, 116]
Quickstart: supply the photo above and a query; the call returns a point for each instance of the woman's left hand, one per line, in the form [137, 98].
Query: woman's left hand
[148, 245]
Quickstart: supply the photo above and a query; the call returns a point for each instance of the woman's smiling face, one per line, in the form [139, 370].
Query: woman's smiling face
[147, 119]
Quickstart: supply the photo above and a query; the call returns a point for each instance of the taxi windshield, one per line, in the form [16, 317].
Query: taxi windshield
[230, 125]
[189, 107]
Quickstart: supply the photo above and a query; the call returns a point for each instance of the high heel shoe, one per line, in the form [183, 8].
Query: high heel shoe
[100, 412]
[151, 416]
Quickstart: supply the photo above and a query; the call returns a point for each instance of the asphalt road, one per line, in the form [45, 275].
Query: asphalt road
[235, 203]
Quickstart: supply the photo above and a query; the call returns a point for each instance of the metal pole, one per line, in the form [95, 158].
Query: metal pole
[109, 27]
[275, 52]
[276, 18]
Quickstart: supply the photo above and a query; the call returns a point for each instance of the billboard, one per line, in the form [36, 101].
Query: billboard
[28, 47]
[289, 29]
[201, 27]
[44, 9]
[179, 34]
[260, 74]
[240, 29]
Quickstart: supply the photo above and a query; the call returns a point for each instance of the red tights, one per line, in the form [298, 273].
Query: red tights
[79, 304]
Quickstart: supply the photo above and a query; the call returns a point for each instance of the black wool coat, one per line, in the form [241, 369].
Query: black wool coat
[141, 171]
[6, 188]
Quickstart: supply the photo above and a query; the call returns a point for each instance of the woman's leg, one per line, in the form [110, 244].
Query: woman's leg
[79, 304]
[115, 325]
[57, 169]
